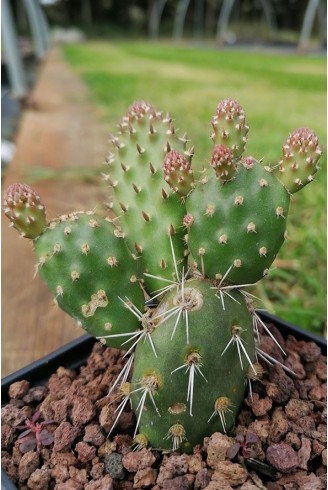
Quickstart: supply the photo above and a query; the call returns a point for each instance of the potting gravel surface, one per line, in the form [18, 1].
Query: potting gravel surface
[287, 413]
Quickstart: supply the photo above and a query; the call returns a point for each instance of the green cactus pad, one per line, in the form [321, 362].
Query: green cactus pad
[87, 268]
[148, 210]
[207, 366]
[238, 225]
[230, 126]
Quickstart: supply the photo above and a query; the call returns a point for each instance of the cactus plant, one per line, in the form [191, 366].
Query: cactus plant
[166, 279]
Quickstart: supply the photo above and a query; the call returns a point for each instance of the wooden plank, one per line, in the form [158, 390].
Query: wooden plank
[61, 132]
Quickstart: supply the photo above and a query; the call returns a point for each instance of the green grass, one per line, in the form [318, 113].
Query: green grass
[278, 92]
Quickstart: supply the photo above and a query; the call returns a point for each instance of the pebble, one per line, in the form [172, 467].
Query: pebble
[28, 464]
[18, 389]
[138, 460]
[114, 466]
[64, 437]
[216, 447]
[282, 457]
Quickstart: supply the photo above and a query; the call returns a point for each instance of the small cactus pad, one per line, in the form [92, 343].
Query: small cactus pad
[230, 126]
[178, 172]
[238, 226]
[300, 159]
[25, 211]
[88, 268]
[222, 162]
[194, 386]
[148, 210]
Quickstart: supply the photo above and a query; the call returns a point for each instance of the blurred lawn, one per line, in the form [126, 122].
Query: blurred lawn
[278, 92]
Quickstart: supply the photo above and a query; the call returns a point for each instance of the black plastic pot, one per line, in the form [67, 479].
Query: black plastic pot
[76, 352]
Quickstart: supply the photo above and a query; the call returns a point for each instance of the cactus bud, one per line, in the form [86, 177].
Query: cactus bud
[230, 126]
[222, 162]
[23, 208]
[178, 172]
[300, 159]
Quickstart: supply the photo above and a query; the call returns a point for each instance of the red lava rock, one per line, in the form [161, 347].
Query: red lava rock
[97, 470]
[107, 417]
[233, 473]
[318, 392]
[39, 479]
[196, 463]
[293, 361]
[261, 427]
[30, 462]
[145, 477]
[178, 483]
[58, 386]
[19, 389]
[293, 440]
[85, 452]
[46, 409]
[324, 457]
[172, 466]
[304, 453]
[279, 425]
[7, 436]
[64, 436]
[69, 485]
[309, 351]
[35, 394]
[295, 409]
[249, 486]
[78, 475]
[67, 459]
[280, 386]
[219, 484]
[60, 472]
[8, 465]
[260, 406]
[15, 416]
[216, 448]
[83, 410]
[60, 408]
[321, 369]
[138, 460]
[282, 457]
[202, 479]
[93, 434]
[105, 483]
[301, 481]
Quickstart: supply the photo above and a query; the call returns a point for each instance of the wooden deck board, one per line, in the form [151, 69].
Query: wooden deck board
[62, 132]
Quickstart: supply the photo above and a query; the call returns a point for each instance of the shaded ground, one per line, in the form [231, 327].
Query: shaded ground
[61, 134]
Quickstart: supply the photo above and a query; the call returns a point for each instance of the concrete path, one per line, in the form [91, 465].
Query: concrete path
[61, 133]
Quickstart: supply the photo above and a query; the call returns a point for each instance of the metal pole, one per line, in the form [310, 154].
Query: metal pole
[223, 20]
[44, 27]
[13, 57]
[179, 19]
[308, 22]
[155, 17]
[33, 14]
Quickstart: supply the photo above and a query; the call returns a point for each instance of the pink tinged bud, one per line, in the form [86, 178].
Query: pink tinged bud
[300, 159]
[188, 220]
[138, 110]
[23, 208]
[178, 172]
[222, 162]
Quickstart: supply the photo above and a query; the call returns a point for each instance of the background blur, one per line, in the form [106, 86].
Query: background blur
[71, 68]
